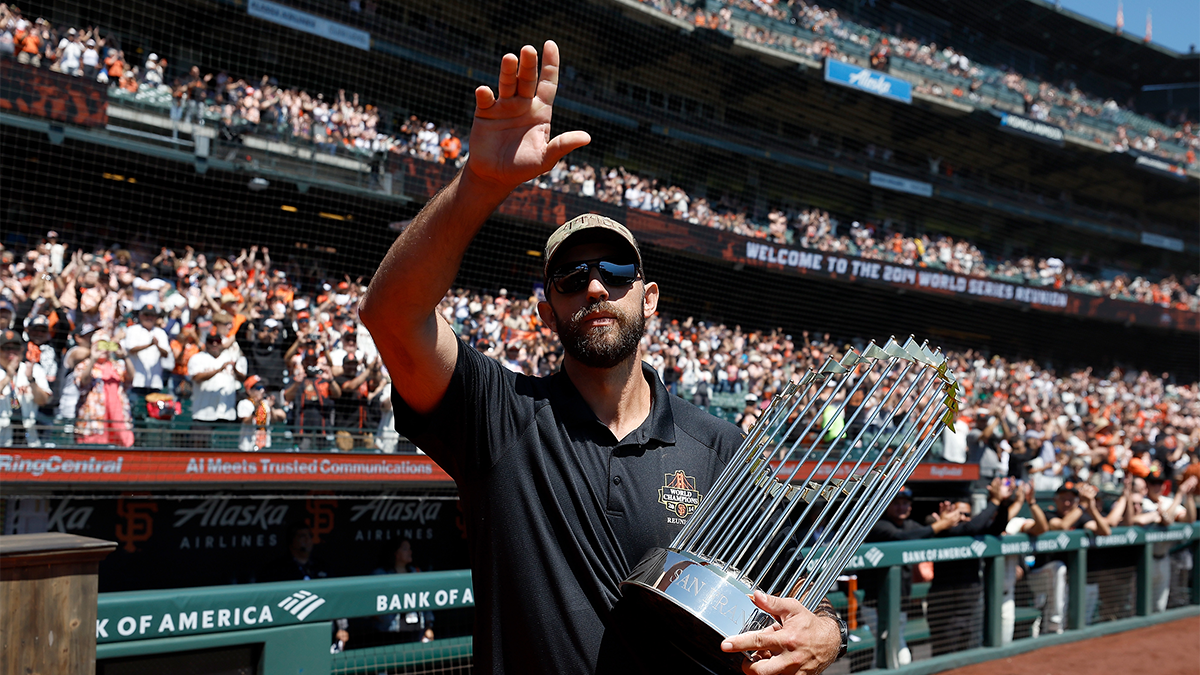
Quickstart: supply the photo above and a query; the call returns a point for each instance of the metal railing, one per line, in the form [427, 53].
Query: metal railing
[290, 623]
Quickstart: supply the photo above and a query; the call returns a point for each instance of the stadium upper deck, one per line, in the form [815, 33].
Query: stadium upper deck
[671, 104]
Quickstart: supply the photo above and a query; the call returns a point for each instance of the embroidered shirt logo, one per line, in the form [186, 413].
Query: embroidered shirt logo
[679, 494]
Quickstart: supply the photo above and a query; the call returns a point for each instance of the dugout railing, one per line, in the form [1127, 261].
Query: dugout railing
[286, 627]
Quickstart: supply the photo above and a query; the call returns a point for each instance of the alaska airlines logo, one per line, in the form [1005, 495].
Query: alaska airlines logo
[679, 494]
[301, 603]
[878, 85]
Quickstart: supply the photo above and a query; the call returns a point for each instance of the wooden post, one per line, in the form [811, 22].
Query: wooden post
[48, 586]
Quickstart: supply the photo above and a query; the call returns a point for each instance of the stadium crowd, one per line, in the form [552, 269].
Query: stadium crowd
[264, 108]
[96, 340]
[964, 80]
[98, 345]
[813, 228]
[238, 106]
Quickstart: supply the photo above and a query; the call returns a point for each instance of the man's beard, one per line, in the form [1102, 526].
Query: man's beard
[601, 346]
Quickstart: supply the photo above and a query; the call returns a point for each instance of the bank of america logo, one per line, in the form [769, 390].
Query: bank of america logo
[978, 547]
[1062, 540]
[302, 603]
[1187, 532]
[874, 555]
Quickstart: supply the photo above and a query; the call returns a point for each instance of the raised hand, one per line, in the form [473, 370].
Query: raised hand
[1188, 486]
[510, 138]
[1030, 497]
[1087, 494]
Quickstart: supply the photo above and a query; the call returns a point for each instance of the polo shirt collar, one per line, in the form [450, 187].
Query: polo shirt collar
[659, 425]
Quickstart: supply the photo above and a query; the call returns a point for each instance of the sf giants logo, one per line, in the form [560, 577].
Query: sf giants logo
[139, 524]
[320, 519]
[679, 494]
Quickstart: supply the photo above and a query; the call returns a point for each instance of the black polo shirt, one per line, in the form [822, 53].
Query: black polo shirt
[558, 510]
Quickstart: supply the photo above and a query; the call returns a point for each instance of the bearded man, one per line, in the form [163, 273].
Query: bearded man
[560, 478]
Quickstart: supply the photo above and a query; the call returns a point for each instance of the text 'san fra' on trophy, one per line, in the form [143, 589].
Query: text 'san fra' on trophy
[787, 513]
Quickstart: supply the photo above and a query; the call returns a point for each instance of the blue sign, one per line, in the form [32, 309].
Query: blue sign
[868, 80]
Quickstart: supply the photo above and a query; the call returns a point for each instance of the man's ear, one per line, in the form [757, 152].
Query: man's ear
[547, 313]
[650, 300]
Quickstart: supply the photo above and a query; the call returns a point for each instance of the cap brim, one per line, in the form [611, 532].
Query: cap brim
[594, 224]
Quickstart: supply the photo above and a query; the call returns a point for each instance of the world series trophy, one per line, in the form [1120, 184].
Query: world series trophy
[779, 518]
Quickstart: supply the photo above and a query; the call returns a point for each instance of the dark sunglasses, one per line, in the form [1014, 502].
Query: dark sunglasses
[573, 278]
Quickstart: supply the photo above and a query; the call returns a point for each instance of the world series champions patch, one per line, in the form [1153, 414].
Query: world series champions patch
[679, 494]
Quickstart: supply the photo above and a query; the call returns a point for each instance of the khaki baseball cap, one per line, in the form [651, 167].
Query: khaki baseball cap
[583, 223]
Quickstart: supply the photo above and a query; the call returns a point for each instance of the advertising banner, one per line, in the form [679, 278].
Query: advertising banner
[924, 471]
[44, 93]
[142, 468]
[962, 548]
[1031, 128]
[1160, 241]
[122, 617]
[424, 179]
[1158, 165]
[912, 187]
[308, 23]
[870, 81]
[181, 539]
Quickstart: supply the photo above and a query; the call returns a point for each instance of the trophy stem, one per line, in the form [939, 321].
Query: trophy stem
[874, 414]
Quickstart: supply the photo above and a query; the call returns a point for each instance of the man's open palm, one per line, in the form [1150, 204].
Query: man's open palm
[510, 139]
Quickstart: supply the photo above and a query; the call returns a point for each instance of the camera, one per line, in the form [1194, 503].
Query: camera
[313, 371]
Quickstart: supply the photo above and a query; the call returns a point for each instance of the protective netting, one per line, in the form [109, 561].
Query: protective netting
[1116, 593]
[446, 657]
[261, 162]
[801, 179]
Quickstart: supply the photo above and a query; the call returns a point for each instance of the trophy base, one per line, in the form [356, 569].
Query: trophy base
[699, 605]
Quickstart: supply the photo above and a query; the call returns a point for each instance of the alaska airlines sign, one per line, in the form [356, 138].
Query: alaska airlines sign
[870, 81]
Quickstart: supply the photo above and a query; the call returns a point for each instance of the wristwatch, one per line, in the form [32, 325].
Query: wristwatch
[844, 630]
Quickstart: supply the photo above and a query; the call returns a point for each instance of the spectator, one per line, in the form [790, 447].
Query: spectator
[312, 393]
[1158, 508]
[257, 414]
[896, 524]
[149, 343]
[297, 563]
[404, 627]
[103, 381]
[40, 349]
[147, 288]
[68, 401]
[30, 41]
[215, 374]
[153, 72]
[90, 60]
[70, 54]
[956, 593]
[23, 387]
[266, 354]
[356, 411]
